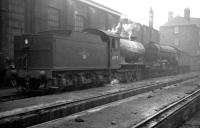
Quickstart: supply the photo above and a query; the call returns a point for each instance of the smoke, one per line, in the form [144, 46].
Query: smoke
[114, 81]
[125, 28]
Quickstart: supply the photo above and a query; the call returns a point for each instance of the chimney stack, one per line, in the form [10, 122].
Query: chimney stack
[151, 17]
[170, 16]
[187, 14]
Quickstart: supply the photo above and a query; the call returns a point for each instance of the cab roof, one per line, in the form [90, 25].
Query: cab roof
[100, 32]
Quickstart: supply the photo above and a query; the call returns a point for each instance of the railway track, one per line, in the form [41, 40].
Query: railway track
[12, 97]
[173, 115]
[18, 95]
[30, 117]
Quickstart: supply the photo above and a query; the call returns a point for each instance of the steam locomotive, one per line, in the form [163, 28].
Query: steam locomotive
[65, 59]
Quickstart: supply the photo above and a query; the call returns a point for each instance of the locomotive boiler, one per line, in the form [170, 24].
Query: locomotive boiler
[131, 51]
[156, 52]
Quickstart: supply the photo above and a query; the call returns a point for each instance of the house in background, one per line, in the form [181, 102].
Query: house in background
[184, 34]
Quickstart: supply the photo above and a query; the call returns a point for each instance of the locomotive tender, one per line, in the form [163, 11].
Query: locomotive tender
[63, 59]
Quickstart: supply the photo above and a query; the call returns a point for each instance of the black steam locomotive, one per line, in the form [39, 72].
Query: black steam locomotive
[64, 59]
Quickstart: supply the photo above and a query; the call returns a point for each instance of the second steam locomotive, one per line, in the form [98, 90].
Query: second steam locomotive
[63, 59]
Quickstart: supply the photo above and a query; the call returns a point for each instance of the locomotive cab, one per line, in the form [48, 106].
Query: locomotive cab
[114, 50]
[113, 46]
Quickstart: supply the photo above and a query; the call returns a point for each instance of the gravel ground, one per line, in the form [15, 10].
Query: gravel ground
[122, 113]
[31, 103]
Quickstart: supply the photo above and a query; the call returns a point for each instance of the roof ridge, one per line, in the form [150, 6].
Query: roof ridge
[178, 20]
[101, 6]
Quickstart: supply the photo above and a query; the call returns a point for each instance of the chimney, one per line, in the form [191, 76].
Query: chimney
[151, 17]
[187, 14]
[170, 16]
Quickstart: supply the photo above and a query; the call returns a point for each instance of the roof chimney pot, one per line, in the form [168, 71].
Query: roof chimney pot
[151, 17]
[187, 14]
[170, 16]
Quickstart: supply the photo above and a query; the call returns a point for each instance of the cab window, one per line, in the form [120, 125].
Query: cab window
[114, 43]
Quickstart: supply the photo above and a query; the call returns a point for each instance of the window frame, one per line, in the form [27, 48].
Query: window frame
[176, 30]
[176, 41]
[79, 25]
[53, 18]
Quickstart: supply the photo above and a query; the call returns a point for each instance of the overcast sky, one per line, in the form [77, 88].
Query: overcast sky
[138, 10]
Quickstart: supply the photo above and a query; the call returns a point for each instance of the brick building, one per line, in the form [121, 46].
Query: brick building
[183, 33]
[32, 16]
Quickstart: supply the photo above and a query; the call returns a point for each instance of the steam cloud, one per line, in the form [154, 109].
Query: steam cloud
[125, 28]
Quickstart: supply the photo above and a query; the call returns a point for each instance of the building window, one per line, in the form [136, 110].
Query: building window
[16, 17]
[79, 22]
[176, 42]
[176, 30]
[114, 43]
[53, 18]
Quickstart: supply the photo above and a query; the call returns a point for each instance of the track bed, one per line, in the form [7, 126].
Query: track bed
[40, 109]
[129, 112]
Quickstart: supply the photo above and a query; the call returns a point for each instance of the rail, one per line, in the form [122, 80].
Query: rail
[156, 119]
